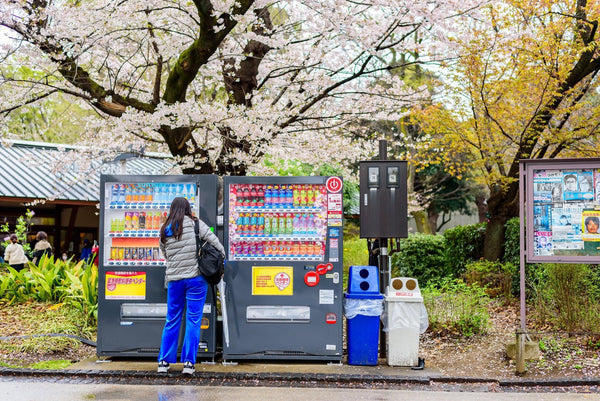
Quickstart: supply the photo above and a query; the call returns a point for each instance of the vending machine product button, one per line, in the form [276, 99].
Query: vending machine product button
[311, 278]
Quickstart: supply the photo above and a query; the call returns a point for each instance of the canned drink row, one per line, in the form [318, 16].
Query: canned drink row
[135, 253]
[277, 196]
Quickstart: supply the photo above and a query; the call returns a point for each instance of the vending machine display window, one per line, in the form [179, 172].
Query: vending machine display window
[134, 214]
[283, 222]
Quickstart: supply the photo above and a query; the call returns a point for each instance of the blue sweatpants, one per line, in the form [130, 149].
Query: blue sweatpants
[190, 293]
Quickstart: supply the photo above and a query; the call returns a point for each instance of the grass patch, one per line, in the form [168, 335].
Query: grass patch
[42, 318]
[52, 365]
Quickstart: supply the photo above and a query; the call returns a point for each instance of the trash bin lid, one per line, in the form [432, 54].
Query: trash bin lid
[405, 288]
[363, 295]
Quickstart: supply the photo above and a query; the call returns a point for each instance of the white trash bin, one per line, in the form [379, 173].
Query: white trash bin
[405, 317]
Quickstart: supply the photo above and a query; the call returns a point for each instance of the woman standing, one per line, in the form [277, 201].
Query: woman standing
[42, 247]
[14, 254]
[186, 287]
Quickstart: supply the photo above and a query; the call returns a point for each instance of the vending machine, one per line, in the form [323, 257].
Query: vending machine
[283, 275]
[132, 292]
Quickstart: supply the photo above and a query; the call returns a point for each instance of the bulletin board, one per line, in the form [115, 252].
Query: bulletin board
[562, 210]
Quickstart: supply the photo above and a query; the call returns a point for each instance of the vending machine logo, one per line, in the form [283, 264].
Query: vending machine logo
[282, 281]
[334, 184]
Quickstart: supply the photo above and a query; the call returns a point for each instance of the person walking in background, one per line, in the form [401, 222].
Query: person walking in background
[86, 251]
[186, 286]
[14, 254]
[42, 247]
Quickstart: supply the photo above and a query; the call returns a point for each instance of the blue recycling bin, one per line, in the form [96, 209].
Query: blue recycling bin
[363, 307]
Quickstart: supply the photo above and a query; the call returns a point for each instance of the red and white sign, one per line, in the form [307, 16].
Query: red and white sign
[331, 318]
[334, 184]
[334, 202]
[282, 281]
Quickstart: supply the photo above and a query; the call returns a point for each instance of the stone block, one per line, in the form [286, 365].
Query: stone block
[531, 350]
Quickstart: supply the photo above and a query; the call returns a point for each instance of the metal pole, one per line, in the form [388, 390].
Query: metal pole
[382, 149]
[383, 260]
[522, 245]
[384, 281]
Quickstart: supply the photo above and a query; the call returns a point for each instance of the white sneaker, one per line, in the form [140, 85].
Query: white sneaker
[163, 367]
[188, 368]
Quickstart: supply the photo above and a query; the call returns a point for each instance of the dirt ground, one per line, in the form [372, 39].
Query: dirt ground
[484, 356]
[481, 356]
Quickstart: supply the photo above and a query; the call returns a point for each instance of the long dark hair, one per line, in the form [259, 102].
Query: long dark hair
[180, 207]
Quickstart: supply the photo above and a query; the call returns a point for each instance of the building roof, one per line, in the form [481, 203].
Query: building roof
[26, 172]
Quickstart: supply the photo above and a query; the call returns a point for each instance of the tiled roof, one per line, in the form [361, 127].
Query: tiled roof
[25, 172]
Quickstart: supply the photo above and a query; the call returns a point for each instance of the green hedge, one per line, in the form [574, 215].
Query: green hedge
[421, 256]
[464, 244]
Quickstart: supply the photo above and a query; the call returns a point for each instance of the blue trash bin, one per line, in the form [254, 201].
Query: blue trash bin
[363, 306]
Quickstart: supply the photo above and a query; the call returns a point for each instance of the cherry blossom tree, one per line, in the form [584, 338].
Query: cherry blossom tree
[219, 84]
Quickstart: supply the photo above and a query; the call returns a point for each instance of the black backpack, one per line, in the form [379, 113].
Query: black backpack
[210, 260]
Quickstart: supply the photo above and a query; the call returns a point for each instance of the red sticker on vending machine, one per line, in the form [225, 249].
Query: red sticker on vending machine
[331, 318]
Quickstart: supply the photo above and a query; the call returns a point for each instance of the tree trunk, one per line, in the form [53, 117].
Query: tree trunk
[421, 221]
[481, 208]
[432, 219]
[502, 205]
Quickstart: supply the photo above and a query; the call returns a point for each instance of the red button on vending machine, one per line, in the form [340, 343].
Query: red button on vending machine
[311, 278]
[322, 268]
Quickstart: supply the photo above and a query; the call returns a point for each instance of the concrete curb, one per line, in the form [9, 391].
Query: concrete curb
[282, 379]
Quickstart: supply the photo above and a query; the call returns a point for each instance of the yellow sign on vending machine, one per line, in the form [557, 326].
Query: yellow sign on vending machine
[272, 280]
[125, 285]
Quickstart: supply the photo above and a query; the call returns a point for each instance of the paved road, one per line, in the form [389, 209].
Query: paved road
[22, 390]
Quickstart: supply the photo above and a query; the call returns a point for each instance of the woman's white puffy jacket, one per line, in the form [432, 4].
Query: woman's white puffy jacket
[181, 254]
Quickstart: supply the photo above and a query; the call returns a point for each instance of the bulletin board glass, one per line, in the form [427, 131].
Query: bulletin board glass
[562, 200]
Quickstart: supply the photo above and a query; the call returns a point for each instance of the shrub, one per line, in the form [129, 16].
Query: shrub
[463, 245]
[456, 308]
[421, 256]
[495, 277]
[566, 295]
[75, 284]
